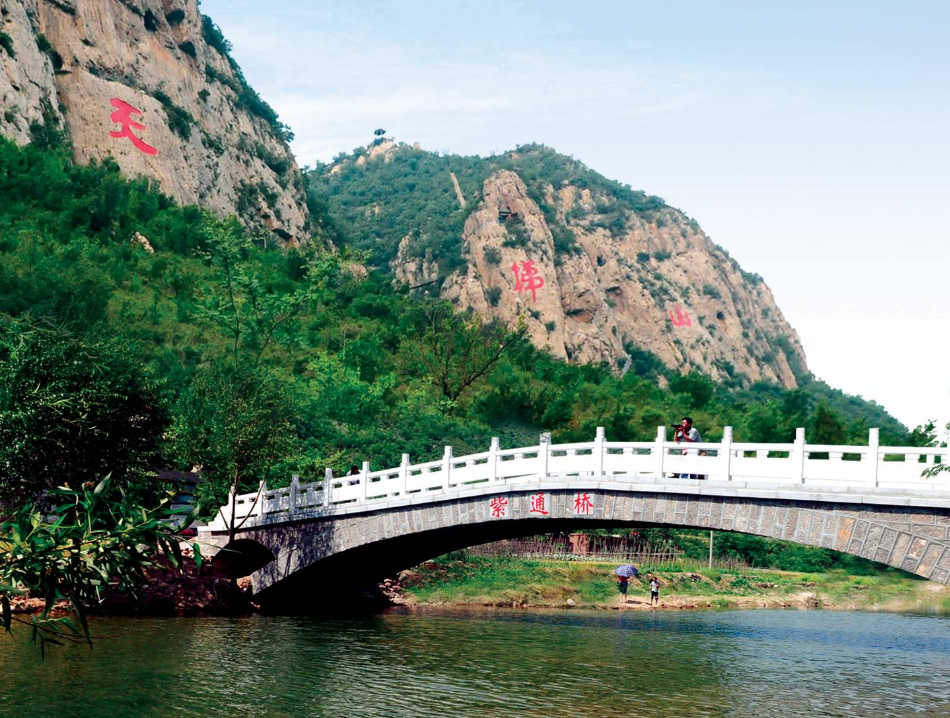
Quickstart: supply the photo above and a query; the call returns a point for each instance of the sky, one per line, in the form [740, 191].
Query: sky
[809, 139]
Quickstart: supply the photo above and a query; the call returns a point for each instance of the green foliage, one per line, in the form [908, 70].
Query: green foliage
[6, 44]
[926, 435]
[179, 119]
[98, 542]
[236, 423]
[710, 291]
[247, 97]
[47, 134]
[699, 388]
[72, 408]
[459, 350]
[411, 193]
[43, 43]
[368, 370]
[518, 236]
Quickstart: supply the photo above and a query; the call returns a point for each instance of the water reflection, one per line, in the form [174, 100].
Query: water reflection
[498, 663]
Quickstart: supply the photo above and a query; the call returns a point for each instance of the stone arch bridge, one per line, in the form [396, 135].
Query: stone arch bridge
[871, 501]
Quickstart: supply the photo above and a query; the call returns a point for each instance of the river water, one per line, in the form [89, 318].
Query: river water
[491, 664]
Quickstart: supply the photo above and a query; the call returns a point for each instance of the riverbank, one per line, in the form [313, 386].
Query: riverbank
[526, 583]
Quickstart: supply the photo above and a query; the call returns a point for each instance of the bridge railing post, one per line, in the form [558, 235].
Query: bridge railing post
[544, 453]
[873, 455]
[599, 440]
[261, 498]
[230, 508]
[725, 455]
[447, 468]
[364, 480]
[403, 474]
[327, 486]
[659, 451]
[294, 493]
[493, 459]
[798, 457]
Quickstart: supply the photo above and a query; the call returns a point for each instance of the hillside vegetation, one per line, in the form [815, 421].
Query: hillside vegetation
[137, 334]
[410, 193]
[617, 264]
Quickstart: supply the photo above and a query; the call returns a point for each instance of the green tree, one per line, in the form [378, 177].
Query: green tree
[236, 423]
[456, 350]
[825, 426]
[72, 409]
[699, 388]
[99, 542]
[252, 312]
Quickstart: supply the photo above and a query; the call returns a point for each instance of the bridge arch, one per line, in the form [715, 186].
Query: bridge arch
[331, 553]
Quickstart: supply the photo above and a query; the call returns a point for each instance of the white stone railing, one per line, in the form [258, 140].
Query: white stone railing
[872, 469]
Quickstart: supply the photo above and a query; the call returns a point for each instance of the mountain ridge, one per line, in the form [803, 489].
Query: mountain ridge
[622, 269]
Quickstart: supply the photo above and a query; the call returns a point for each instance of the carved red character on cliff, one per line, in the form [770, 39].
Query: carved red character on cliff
[527, 278]
[123, 116]
[681, 319]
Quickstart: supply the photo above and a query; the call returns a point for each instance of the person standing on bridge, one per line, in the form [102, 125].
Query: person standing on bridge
[687, 433]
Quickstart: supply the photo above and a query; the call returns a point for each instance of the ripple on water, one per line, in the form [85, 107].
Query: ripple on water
[493, 664]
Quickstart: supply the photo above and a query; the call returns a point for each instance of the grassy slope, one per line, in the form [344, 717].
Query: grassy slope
[541, 583]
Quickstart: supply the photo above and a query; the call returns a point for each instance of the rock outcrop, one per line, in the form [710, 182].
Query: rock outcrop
[94, 67]
[652, 282]
[597, 271]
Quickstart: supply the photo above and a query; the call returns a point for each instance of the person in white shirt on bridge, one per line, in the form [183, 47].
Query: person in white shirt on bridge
[687, 433]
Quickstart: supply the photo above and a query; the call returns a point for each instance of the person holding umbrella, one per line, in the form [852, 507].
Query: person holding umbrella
[624, 573]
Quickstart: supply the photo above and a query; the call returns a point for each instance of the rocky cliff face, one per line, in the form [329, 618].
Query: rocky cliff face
[150, 84]
[594, 280]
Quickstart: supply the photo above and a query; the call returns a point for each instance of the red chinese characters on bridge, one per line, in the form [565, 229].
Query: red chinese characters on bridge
[539, 504]
[498, 505]
[583, 504]
[527, 278]
[123, 116]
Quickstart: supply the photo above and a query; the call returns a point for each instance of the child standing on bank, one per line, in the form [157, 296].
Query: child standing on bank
[654, 590]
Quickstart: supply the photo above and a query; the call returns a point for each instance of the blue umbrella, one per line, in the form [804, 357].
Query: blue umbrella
[626, 571]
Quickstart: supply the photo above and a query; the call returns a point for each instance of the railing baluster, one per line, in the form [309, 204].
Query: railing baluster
[798, 457]
[294, 493]
[874, 446]
[493, 460]
[544, 451]
[262, 497]
[403, 474]
[327, 485]
[725, 453]
[659, 450]
[599, 452]
[447, 468]
[364, 480]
